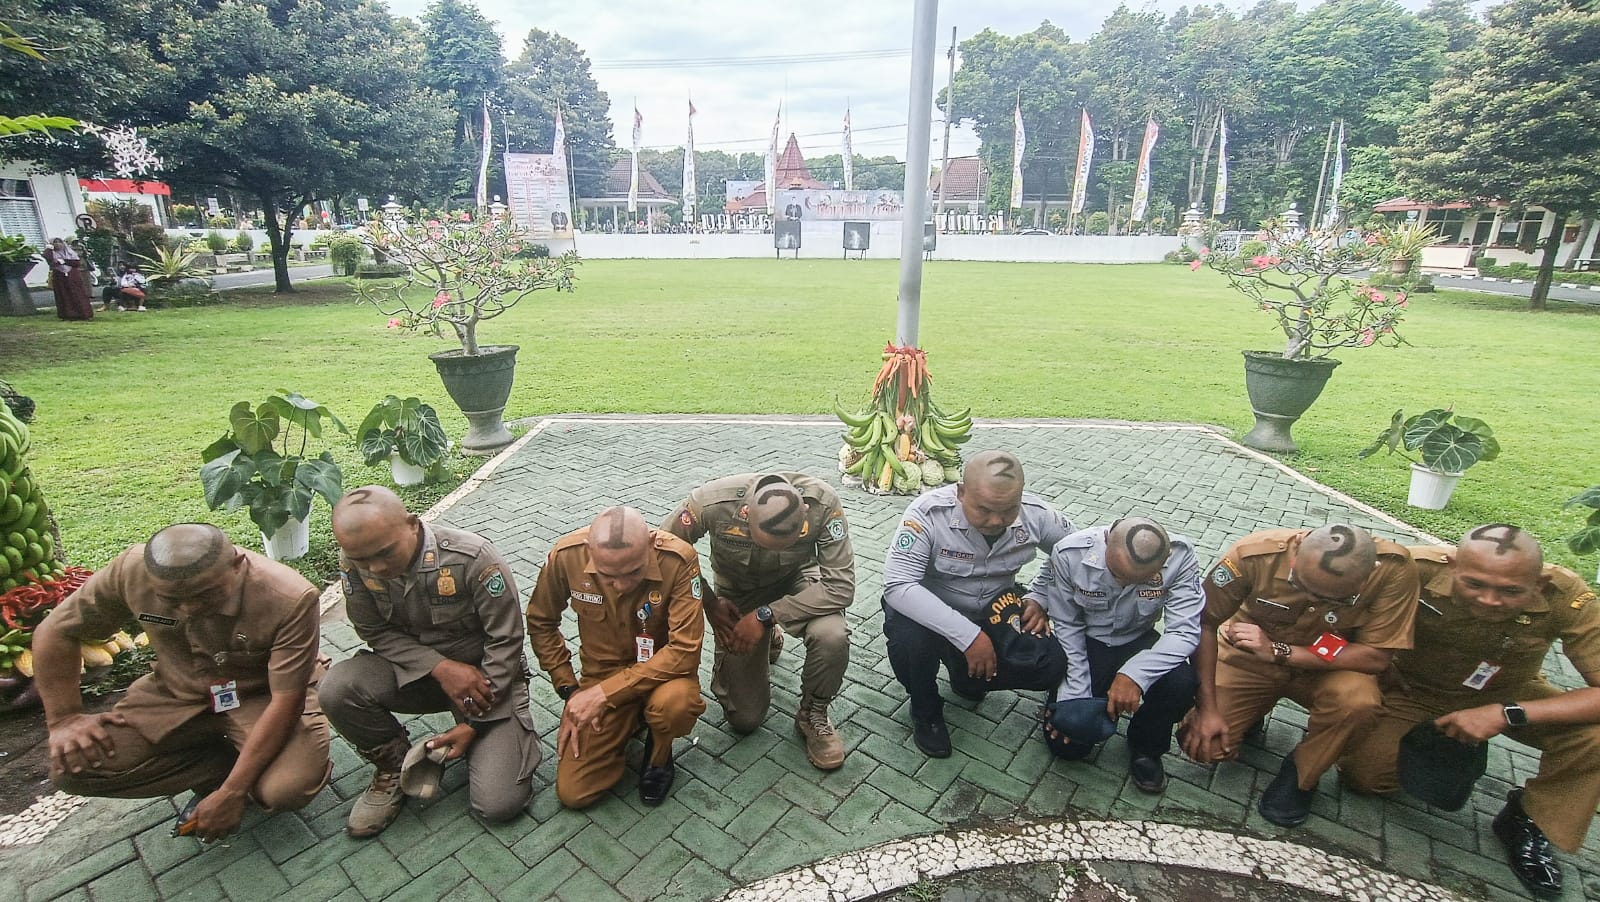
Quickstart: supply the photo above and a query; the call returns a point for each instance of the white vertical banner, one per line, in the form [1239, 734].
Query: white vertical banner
[1141, 181]
[849, 155]
[1219, 198]
[1331, 218]
[483, 162]
[1019, 143]
[558, 146]
[772, 166]
[1080, 178]
[690, 193]
[633, 175]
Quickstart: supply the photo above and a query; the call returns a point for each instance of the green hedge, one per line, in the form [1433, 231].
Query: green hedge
[1488, 267]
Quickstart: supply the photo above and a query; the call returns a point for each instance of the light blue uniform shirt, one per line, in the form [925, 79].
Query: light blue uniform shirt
[1083, 598]
[941, 572]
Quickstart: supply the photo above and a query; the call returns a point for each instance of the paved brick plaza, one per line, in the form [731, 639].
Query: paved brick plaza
[747, 809]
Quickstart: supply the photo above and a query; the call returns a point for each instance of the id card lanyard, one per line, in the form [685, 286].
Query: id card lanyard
[644, 645]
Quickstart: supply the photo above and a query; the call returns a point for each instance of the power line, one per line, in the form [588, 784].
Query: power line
[718, 62]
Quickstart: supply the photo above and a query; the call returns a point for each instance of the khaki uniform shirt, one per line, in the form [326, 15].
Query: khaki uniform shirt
[608, 624]
[457, 601]
[1452, 643]
[264, 639]
[1251, 585]
[749, 575]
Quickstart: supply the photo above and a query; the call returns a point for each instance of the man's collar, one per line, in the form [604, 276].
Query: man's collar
[427, 550]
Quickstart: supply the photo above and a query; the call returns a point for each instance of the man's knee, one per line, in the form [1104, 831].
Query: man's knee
[829, 633]
[288, 793]
[577, 796]
[1351, 696]
[674, 706]
[348, 683]
[744, 721]
[1174, 691]
[506, 803]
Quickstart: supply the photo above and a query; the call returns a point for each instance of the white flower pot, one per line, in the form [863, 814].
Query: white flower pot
[404, 473]
[1430, 489]
[291, 541]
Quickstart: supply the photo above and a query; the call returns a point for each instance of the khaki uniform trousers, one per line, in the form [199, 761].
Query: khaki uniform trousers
[1561, 799]
[1342, 703]
[743, 683]
[669, 712]
[200, 754]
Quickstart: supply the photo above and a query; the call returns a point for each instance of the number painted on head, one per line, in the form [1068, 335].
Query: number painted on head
[1345, 545]
[1504, 543]
[775, 523]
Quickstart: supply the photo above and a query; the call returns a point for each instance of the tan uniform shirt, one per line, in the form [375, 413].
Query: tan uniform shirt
[749, 575]
[457, 601]
[608, 624]
[264, 638]
[1251, 585]
[1452, 644]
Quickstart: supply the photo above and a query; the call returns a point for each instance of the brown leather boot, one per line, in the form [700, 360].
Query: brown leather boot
[823, 745]
[377, 808]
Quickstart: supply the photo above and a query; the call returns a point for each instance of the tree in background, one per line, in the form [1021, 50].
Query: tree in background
[1516, 121]
[552, 67]
[462, 61]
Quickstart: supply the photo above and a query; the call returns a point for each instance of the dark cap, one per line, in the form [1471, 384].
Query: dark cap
[1439, 770]
[1083, 720]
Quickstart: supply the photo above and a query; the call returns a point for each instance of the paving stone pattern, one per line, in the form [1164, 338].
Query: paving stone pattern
[750, 807]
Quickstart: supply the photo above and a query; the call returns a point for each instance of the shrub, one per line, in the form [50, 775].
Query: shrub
[187, 293]
[345, 254]
[1253, 248]
[219, 222]
[216, 242]
[101, 244]
[1485, 263]
[532, 252]
[382, 271]
[1098, 223]
[147, 238]
[244, 244]
[188, 214]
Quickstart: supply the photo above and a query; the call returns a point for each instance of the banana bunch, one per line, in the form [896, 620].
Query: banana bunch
[902, 441]
[14, 653]
[27, 548]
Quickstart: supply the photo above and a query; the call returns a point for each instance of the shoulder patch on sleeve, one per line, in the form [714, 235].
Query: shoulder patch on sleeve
[832, 528]
[494, 582]
[1225, 572]
[904, 539]
[695, 588]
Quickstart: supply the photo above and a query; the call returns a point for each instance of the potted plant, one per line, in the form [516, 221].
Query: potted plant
[407, 434]
[460, 273]
[1404, 244]
[1306, 280]
[1448, 443]
[17, 259]
[1587, 539]
[276, 482]
[345, 255]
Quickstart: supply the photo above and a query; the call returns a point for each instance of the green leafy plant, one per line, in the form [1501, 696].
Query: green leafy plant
[15, 250]
[406, 427]
[243, 243]
[1406, 241]
[1587, 539]
[1445, 446]
[169, 267]
[277, 482]
[345, 254]
[216, 242]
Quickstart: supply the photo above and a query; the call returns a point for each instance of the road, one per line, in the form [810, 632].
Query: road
[1578, 295]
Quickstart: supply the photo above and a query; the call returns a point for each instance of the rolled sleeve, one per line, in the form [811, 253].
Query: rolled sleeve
[545, 605]
[904, 592]
[1181, 631]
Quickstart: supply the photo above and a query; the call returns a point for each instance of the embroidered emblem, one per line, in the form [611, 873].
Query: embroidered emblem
[1223, 574]
[157, 618]
[655, 598]
[835, 529]
[1021, 534]
[736, 532]
[496, 584]
[904, 541]
[447, 582]
[1155, 580]
[744, 511]
[427, 557]
[1581, 600]
[1151, 593]
[694, 587]
[589, 598]
[1524, 619]
[912, 525]
[685, 519]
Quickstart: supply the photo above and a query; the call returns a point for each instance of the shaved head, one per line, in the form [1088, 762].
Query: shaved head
[368, 504]
[1498, 571]
[375, 531]
[184, 551]
[1339, 551]
[990, 491]
[1136, 548]
[619, 529]
[1502, 539]
[996, 471]
[777, 513]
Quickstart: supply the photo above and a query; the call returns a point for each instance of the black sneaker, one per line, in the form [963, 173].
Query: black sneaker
[1285, 803]
[932, 736]
[1148, 774]
[1529, 852]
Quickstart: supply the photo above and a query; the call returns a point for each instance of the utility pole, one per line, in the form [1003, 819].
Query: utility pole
[949, 105]
[1322, 174]
[919, 125]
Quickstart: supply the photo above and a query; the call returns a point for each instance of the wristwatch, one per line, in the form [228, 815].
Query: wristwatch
[566, 691]
[1281, 652]
[1515, 715]
[764, 615]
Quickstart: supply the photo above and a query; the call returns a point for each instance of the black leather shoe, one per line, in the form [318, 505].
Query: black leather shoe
[1257, 733]
[1148, 774]
[1285, 803]
[656, 782]
[932, 736]
[1529, 852]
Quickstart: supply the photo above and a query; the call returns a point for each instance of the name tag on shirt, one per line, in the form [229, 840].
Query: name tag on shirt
[224, 697]
[589, 598]
[1481, 676]
[644, 648]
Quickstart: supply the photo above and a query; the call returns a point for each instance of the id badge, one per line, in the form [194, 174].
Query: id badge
[644, 648]
[1481, 676]
[1328, 646]
[224, 697]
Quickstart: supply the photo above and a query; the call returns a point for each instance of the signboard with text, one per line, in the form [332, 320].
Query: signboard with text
[536, 190]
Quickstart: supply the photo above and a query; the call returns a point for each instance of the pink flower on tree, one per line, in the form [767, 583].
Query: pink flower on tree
[1195, 264]
[441, 299]
[1400, 300]
[1263, 261]
[433, 223]
[465, 216]
[394, 323]
[1376, 296]
[1368, 337]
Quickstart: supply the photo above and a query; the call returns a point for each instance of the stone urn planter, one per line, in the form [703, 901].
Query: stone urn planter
[15, 298]
[1280, 391]
[480, 384]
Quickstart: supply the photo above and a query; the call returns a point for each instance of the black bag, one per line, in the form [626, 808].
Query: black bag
[1026, 661]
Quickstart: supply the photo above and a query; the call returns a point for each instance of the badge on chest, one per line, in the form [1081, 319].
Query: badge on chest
[1481, 676]
[224, 696]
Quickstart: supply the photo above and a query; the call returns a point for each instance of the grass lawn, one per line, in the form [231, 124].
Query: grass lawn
[127, 401]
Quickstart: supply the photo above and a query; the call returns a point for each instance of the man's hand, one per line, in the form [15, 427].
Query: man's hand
[1034, 620]
[981, 662]
[722, 615]
[1249, 638]
[80, 740]
[466, 686]
[1474, 725]
[1124, 697]
[455, 741]
[746, 633]
[583, 711]
[218, 814]
[1205, 737]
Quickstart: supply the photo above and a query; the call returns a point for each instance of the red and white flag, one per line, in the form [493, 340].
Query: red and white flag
[1080, 178]
[1141, 181]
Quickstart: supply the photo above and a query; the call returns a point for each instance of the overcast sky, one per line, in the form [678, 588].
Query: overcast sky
[633, 45]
